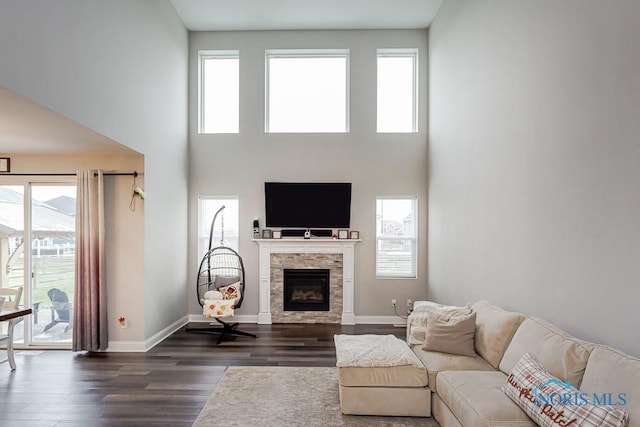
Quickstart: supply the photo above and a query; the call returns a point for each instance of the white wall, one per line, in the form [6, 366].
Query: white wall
[534, 155]
[376, 164]
[120, 68]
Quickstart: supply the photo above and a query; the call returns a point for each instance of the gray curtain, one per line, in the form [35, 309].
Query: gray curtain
[90, 330]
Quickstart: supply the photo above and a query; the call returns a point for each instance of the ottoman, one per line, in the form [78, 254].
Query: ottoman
[380, 375]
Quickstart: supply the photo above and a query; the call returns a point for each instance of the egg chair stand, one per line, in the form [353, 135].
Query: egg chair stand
[220, 287]
[225, 330]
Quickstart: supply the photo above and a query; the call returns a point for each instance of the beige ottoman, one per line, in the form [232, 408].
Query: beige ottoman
[380, 375]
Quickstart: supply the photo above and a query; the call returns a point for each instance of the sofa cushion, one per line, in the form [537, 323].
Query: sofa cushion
[612, 371]
[494, 329]
[385, 401]
[394, 376]
[476, 399]
[437, 362]
[564, 356]
[442, 413]
[450, 334]
[417, 320]
[551, 402]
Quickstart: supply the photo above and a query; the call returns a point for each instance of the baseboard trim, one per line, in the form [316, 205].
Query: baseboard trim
[379, 320]
[126, 347]
[144, 346]
[250, 318]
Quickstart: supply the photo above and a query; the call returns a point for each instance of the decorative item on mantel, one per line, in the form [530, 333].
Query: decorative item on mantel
[354, 234]
[5, 165]
[256, 229]
[137, 192]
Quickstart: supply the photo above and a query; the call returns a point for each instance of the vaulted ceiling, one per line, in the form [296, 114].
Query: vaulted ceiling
[29, 128]
[225, 15]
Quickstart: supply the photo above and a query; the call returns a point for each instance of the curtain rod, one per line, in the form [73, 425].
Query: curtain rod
[133, 174]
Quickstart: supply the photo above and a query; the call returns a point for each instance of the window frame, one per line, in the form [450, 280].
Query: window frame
[308, 53]
[28, 183]
[214, 54]
[401, 53]
[413, 239]
[204, 234]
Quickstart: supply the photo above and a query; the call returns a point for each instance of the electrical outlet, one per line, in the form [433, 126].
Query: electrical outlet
[393, 302]
[124, 323]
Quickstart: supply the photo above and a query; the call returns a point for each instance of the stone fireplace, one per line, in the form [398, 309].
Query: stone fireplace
[332, 264]
[280, 255]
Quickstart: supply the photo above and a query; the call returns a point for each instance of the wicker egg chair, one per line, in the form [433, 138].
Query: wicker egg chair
[220, 287]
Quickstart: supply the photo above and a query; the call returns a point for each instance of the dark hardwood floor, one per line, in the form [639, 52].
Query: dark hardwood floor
[167, 386]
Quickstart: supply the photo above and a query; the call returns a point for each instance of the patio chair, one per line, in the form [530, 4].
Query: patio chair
[61, 309]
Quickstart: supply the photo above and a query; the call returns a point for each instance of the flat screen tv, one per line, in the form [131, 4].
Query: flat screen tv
[308, 204]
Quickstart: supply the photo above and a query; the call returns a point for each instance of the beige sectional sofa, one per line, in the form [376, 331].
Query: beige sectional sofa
[467, 390]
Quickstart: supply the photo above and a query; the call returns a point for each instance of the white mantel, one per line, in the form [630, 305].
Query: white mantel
[345, 247]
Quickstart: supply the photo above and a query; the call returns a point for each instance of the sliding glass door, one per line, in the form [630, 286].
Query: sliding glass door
[53, 209]
[39, 237]
[12, 260]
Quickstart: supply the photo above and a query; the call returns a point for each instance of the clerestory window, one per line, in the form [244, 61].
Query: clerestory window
[307, 91]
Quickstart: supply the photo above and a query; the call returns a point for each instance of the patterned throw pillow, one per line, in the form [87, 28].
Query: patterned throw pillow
[231, 291]
[218, 308]
[552, 403]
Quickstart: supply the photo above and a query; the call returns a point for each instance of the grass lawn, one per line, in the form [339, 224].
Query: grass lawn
[48, 272]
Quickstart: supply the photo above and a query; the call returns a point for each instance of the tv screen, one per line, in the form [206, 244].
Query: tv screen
[308, 205]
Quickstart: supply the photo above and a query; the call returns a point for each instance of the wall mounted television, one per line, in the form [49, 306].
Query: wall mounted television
[308, 204]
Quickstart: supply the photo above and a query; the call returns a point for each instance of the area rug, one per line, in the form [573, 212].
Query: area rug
[276, 396]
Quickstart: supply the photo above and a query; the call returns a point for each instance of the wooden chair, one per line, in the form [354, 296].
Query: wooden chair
[12, 297]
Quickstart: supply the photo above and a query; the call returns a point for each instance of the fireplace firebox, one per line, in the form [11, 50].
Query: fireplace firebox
[306, 289]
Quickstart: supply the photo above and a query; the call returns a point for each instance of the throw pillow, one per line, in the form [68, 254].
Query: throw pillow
[417, 321]
[221, 281]
[494, 329]
[450, 334]
[231, 291]
[552, 403]
[213, 295]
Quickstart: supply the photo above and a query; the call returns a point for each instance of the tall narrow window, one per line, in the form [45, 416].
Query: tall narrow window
[307, 91]
[226, 229]
[396, 237]
[397, 90]
[219, 91]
